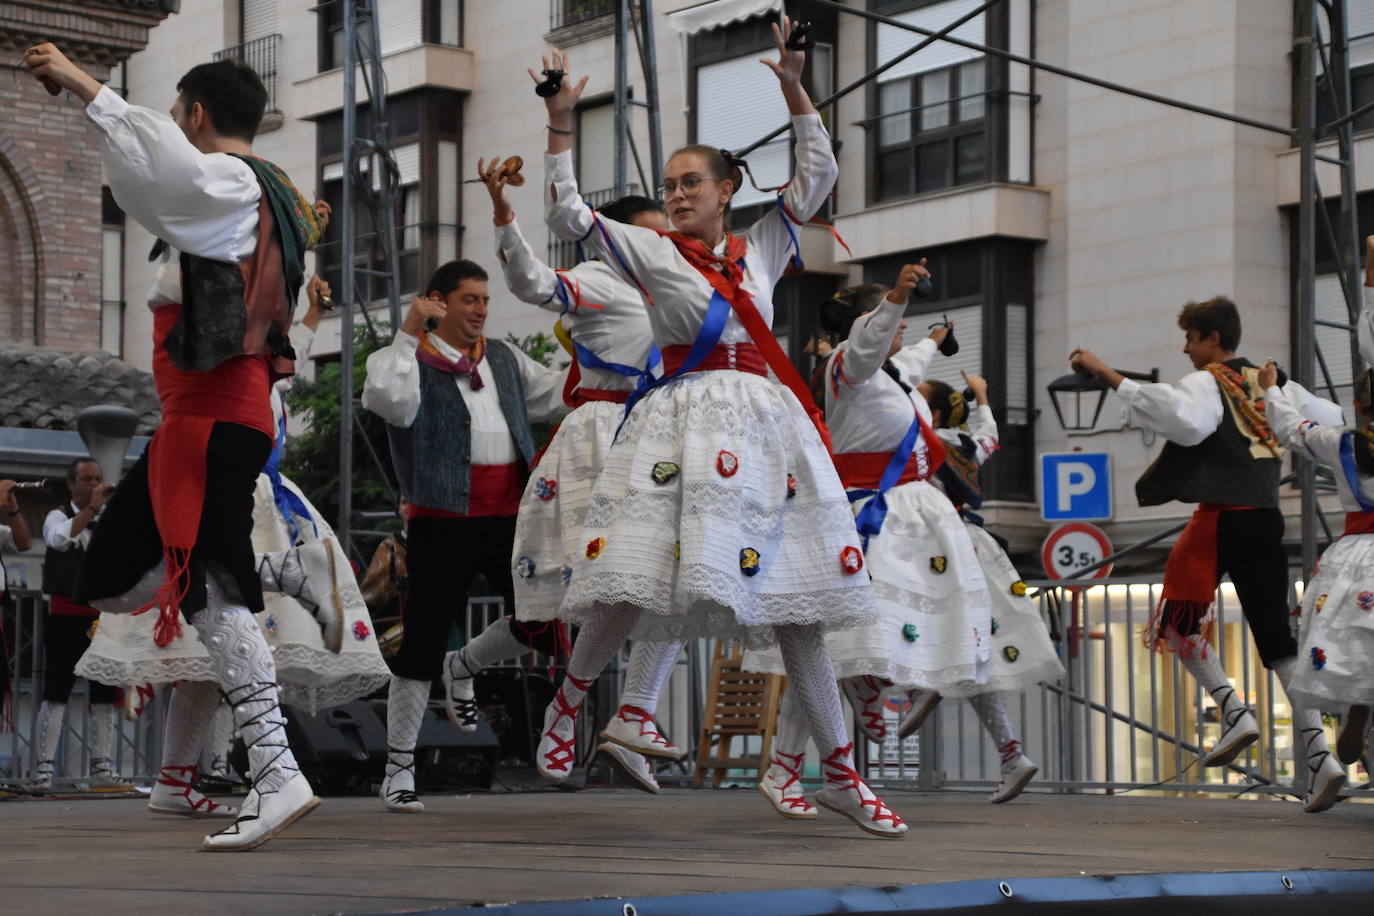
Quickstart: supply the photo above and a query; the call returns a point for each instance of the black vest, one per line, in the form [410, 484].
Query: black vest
[1229, 467]
[60, 566]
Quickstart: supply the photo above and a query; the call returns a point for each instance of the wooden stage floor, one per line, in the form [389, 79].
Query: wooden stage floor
[108, 856]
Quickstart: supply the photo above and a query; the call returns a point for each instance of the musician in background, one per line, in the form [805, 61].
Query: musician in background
[68, 627]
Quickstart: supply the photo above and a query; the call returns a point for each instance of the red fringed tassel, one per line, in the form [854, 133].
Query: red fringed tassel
[175, 583]
[1183, 627]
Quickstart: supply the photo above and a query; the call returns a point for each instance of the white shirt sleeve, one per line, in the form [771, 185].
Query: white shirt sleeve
[914, 360]
[543, 388]
[570, 218]
[302, 339]
[6, 543]
[530, 279]
[869, 340]
[1186, 413]
[982, 428]
[57, 532]
[202, 203]
[1321, 442]
[812, 181]
[392, 387]
[1317, 409]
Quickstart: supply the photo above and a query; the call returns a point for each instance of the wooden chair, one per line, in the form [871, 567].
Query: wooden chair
[739, 704]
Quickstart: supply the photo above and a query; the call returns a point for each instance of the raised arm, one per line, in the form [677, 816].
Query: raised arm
[873, 335]
[543, 388]
[1322, 443]
[391, 389]
[982, 426]
[1186, 413]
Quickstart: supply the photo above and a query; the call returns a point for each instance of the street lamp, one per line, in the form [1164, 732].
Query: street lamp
[1078, 393]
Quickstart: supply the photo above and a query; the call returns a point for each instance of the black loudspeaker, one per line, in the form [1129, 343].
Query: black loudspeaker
[445, 758]
[341, 750]
[513, 700]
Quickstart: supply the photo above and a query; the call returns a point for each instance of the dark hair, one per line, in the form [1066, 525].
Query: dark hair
[625, 209]
[951, 404]
[838, 313]
[449, 276]
[76, 466]
[1217, 314]
[722, 165]
[231, 93]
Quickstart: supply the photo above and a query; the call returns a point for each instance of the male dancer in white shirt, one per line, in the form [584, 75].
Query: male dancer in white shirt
[1222, 455]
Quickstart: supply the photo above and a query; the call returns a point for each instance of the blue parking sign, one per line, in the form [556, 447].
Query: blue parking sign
[1075, 486]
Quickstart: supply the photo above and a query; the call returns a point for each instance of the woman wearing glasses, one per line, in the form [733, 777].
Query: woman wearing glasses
[718, 510]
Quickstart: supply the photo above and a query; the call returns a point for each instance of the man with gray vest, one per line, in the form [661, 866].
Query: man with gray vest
[458, 409]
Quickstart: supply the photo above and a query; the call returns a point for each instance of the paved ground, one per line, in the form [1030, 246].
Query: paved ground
[110, 857]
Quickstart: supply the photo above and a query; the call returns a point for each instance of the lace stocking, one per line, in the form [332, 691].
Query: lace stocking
[102, 731]
[651, 664]
[406, 702]
[50, 718]
[1309, 737]
[992, 712]
[190, 710]
[811, 674]
[248, 678]
[1202, 664]
[220, 738]
[597, 643]
[793, 733]
[494, 644]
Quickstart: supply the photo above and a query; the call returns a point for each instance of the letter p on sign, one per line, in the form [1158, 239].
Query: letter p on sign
[1075, 486]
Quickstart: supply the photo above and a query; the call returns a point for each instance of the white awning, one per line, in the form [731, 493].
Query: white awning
[716, 13]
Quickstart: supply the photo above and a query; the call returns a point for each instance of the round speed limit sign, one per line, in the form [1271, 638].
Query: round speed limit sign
[1074, 547]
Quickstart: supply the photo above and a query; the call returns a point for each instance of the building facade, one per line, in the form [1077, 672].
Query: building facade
[1054, 214]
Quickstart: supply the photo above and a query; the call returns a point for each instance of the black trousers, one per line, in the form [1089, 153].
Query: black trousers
[126, 543]
[1250, 550]
[443, 556]
[65, 638]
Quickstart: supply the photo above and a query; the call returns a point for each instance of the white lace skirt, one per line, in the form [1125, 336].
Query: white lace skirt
[719, 512]
[1022, 654]
[122, 651]
[935, 612]
[548, 530]
[1336, 627]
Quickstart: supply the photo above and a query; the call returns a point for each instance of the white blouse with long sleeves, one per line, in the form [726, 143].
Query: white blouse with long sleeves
[202, 203]
[392, 391]
[1189, 412]
[680, 293]
[865, 408]
[598, 309]
[1321, 442]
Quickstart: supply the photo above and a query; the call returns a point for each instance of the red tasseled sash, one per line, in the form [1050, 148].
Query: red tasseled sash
[1190, 585]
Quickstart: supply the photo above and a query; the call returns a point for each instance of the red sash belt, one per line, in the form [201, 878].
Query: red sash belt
[1358, 523]
[745, 357]
[493, 489]
[66, 607]
[1190, 585]
[581, 396]
[863, 470]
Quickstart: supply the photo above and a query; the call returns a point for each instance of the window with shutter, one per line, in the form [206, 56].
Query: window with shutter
[400, 23]
[596, 149]
[259, 19]
[733, 98]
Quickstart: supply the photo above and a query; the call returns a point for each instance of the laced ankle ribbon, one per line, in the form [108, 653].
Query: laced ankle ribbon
[401, 796]
[841, 775]
[253, 692]
[560, 759]
[185, 782]
[793, 770]
[647, 727]
[873, 718]
[466, 707]
[1010, 751]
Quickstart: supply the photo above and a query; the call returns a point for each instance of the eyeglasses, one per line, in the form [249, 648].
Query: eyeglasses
[689, 185]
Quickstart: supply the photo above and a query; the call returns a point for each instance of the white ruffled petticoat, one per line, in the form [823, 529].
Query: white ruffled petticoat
[1022, 654]
[935, 613]
[716, 545]
[548, 530]
[123, 652]
[1336, 627]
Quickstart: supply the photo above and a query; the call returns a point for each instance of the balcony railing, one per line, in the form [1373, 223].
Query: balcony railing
[261, 55]
[570, 12]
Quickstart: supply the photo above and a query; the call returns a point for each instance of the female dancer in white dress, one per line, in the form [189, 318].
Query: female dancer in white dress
[1022, 654]
[602, 321]
[718, 509]
[1336, 620]
[317, 666]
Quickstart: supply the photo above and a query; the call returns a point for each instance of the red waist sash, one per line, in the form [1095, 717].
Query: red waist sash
[863, 470]
[66, 607]
[1358, 523]
[493, 489]
[580, 396]
[744, 357]
[1190, 585]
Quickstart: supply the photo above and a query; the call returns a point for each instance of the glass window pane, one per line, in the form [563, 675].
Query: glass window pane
[934, 91]
[894, 174]
[968, 159]
[894, 99]
[932, 160]
[971, 90]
